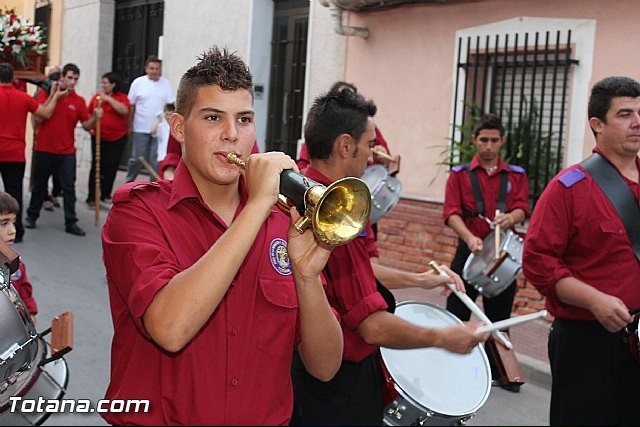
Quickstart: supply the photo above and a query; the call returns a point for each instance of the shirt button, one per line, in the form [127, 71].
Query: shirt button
[234, 331]
[234, 381]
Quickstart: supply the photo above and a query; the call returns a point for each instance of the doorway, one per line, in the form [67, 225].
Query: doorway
[288, 68]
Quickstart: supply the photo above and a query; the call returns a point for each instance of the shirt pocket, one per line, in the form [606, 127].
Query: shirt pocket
[277, 316]
[613, 228]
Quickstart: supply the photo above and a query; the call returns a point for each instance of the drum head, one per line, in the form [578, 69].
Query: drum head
[438, 380]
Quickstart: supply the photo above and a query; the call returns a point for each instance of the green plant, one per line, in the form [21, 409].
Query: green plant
[526, 146]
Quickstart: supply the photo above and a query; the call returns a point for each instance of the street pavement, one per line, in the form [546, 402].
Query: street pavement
[67, 274]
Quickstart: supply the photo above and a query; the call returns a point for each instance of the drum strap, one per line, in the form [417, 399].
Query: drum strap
[618, 193]
[477, 194]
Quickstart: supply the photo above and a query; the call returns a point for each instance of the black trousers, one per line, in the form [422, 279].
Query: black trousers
[496, 308]
[352, 397]
[12, 179]
[45, 164]
[110, 155]
[595, 379]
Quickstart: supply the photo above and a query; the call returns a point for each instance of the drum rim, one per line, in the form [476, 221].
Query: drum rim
[386, 180]
[35, 375]
[481, 282]
[406, 395]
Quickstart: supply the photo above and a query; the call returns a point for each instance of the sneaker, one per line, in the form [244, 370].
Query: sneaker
[74, 229]
[29, 223]
[48, 205]
[55, 202]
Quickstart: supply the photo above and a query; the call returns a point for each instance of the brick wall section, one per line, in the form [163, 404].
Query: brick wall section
[413, 233]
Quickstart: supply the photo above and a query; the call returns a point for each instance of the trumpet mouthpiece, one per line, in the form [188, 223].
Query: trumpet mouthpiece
[233, 158]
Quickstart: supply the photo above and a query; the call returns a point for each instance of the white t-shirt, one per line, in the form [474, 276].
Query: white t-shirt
[149, 97]
[162, 134]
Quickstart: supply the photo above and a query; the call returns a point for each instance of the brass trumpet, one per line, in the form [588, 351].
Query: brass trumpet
[337, 214]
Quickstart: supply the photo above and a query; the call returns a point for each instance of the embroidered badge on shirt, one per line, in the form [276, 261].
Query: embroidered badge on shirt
[279, 256]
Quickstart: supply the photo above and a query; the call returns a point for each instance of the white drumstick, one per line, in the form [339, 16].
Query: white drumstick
[497, 237]
[513, 321]
[473, 307]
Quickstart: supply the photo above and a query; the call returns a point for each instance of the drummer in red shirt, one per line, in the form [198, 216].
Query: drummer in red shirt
[340, 132]
[464, 214]
[579, 254]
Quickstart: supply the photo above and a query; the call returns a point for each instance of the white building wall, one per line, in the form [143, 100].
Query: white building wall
[87, 41]
[190, 28]
[193, 26]
[326, 53]
[261, 27]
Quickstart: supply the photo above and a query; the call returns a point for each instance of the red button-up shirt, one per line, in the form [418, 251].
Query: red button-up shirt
[459, 196]
[236, 370]
[351, 288]
[576, 232]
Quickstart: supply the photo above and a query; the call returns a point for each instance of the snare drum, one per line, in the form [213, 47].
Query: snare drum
[18, 337]
[385, 190]
[23, 351]
[48, 381]
[475, 267]
[435, 386]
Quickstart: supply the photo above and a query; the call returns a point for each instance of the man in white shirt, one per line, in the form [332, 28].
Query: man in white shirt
[148, 94]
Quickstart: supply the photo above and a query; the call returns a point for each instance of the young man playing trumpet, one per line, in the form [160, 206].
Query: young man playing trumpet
[218, 290]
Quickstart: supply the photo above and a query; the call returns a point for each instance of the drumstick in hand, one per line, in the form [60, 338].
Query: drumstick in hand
[497, 236]
[472, 306]
[382, 154]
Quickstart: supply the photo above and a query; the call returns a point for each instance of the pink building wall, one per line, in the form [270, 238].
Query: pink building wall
[407, 65]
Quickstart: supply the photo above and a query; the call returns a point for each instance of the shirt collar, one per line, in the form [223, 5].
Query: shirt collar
[597, 149]
[314, 174]
[475, 163]
[184, 188]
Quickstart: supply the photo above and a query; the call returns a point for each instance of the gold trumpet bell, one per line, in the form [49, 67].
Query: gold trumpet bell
[337, 214]
[341, 212]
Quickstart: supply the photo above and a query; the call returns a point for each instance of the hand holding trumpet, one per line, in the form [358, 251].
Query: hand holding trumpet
[337, 213]
[262, 174]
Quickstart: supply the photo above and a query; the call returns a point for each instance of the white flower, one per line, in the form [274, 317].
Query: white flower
[18, 36]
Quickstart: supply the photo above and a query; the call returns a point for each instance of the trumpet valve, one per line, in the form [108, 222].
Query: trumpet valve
[302, 224]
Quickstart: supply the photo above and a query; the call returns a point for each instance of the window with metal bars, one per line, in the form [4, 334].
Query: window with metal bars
[524, 79]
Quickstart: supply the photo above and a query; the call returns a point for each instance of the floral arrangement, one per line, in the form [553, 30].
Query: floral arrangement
[18, 36]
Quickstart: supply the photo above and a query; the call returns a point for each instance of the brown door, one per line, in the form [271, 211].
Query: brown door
[288, 65]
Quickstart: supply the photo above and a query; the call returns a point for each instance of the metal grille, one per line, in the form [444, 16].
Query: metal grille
[524, 79]
[288, 69]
